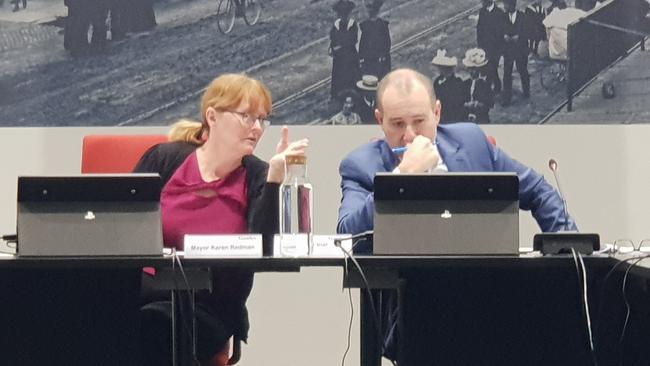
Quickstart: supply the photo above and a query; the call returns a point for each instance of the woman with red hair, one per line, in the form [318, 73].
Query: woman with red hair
[213, 184]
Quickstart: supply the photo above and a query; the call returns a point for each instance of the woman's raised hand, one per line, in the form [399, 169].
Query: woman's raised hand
[284, 149]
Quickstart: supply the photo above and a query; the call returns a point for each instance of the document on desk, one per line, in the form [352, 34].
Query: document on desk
[223, 246]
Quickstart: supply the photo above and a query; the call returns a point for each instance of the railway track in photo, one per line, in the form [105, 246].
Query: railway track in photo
[157, 77]
[153, 69]
[154, 78]
[318, 91]
[285, 73]
[455, 32]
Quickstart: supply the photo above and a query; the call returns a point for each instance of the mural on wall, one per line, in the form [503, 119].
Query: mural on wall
[146, 62]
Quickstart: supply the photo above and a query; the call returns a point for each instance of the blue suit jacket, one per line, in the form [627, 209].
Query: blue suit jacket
[463, 148]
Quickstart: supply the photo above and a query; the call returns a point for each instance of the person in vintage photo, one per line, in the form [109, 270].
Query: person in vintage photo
[515, 51]
[16, 4]
[346, 116]
[489, 37]
[374, 44]
[367, 88]
[83, 16]
[449, 88]
[535, 13]
[480, 96]
[343, 49]
[556, 4]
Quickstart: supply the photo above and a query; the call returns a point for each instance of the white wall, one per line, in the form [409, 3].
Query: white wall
[301, 319]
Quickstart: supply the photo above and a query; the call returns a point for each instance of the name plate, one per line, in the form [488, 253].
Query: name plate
[223, 246]
[323, 246]
[291, 245]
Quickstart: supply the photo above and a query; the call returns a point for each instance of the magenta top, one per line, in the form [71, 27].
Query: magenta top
[192, 206]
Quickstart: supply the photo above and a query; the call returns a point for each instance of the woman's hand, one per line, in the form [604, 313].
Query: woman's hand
[284, 149]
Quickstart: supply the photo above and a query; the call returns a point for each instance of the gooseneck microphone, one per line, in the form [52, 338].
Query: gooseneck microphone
[552, 164]
[565, 241]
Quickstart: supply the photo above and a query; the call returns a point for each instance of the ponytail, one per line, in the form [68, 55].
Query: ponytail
[187, 131]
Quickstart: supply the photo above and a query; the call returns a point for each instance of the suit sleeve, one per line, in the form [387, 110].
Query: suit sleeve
[535, 194]
[357, 205]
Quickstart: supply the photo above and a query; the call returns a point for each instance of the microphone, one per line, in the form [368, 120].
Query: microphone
[363, 235]
[552, 164]
[565, 241]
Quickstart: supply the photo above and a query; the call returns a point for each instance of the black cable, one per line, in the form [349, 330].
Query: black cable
[347, 347]
[9, 239]
[585, 303]
[184, 321]
[580, 287]
[601, 303]
[627, 302]
[373, 310]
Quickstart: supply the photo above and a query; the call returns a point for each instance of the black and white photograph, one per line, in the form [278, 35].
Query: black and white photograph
[146, 62]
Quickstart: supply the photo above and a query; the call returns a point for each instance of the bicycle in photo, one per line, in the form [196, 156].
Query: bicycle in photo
[229, 10]
[554, 75]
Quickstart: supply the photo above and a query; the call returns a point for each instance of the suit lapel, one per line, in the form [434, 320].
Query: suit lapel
[389, 159]
[452, 153]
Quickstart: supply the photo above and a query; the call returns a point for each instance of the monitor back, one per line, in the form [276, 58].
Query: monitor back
[446, 214]
[89, 215]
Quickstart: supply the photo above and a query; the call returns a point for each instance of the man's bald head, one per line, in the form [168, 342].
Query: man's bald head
[404, 82]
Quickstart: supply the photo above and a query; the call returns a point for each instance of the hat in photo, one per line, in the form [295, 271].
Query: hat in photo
[442, 59]
[475, 57]
[368, 82]
[343, 6]
[374, 4]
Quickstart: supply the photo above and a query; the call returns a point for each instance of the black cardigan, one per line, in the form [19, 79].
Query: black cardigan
[231, 287]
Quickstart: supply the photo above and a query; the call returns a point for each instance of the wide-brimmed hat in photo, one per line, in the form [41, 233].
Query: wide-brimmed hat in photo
[368, 82]
[442, 59]
[475, 57]
[343, 7]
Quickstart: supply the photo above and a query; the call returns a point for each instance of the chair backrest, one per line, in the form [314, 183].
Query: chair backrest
[492, 140]
[115, 153]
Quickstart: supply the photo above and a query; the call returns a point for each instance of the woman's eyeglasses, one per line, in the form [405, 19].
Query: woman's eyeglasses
[628, 246]
[249, 121]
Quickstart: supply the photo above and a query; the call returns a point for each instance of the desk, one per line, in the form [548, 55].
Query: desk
[84, 311]
[505, 311]
[101, 295]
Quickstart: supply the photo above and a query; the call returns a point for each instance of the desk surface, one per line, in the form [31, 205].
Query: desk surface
[287, 264]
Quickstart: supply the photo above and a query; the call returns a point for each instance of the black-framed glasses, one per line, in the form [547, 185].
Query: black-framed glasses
[249, 120]
[629, 245]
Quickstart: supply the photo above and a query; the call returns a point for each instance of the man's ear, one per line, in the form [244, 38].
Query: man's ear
[437, 109]
[379, 116]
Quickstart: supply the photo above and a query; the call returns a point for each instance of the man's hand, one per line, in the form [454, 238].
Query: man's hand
[419, 157]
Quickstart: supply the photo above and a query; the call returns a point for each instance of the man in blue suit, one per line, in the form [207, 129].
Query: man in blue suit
[408, 113]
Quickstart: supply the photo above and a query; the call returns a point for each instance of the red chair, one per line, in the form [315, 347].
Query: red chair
[115, 153]
[492, 140]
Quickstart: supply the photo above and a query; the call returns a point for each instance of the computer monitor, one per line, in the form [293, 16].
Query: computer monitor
[446, 214]
[89, 215]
